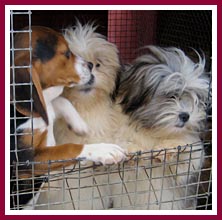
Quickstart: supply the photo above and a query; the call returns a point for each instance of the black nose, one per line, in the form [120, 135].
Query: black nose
[90, 65]
[184, 116]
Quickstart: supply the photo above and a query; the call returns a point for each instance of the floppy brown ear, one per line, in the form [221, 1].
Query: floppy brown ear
[24, 87]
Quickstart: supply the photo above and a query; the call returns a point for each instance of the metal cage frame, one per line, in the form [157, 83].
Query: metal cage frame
[202, 182]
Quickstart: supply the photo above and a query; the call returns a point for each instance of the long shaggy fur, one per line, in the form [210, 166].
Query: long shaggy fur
[95, 48]
[160, 86]
[158, 109]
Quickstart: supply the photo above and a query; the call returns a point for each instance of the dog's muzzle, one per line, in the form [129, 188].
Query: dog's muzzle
[92, 77]
[84, 69]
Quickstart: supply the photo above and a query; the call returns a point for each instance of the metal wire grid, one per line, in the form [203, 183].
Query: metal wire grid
[13, 67]
[32, 186]
[128, 30]
[15, 118]
[185, 29]
[131, 30]
[93, 184]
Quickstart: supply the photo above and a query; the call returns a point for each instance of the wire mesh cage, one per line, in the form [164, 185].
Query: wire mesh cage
[132, 184]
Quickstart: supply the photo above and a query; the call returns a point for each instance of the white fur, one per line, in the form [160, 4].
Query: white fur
[93, 47]
[38, 123]
[64, 109]
[157, 183]
[56, 107]
[82, 70]
[49, 95]
[103, 153]
[35, 123]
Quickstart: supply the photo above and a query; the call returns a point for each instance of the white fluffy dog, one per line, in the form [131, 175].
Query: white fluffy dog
[154, 109]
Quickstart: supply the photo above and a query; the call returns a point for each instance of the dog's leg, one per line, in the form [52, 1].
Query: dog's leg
[50, 139]
[103, 153]
[52, 92]
[63, 108]
[59, 156]
[49, 95]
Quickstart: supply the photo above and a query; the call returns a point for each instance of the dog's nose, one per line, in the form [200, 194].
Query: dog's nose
[90, 65]
[184, 116]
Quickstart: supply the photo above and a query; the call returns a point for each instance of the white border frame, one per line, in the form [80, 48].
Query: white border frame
[111, 7]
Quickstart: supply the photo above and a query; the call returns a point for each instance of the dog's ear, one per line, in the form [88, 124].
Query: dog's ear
[26, 92]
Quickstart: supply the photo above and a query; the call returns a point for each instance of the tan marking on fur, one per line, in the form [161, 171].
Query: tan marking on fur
[61, 152]
[37, 139]
[43, 153]
[57, 71]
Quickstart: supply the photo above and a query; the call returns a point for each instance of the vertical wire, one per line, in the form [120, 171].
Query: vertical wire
[209, 102]
[199, 173]
[188, 173]
[209, 189]
[107, 188]
[122, 183]
[151, 187]
[149, 177]
[93, 187]
[33, 184]
[174, 176]
[63, 186]
[48, 194]
[139, 155]
[14, 107]
[31, 95]
[79, 185]
[164, 168]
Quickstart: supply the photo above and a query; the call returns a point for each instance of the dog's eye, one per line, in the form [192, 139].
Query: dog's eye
[97, 65]
[67, 54]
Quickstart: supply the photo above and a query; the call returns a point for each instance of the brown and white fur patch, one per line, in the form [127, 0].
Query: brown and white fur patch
[54, 67]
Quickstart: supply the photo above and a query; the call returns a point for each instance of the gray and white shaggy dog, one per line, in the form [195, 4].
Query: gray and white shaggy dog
[156, 107]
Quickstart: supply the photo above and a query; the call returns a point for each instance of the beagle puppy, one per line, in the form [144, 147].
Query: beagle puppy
[36, 81]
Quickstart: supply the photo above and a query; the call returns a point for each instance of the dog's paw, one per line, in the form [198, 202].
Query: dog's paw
[78, 126]
[103, 153]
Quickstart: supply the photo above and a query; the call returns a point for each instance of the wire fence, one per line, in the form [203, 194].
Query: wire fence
[133, 183]
[98, 187]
